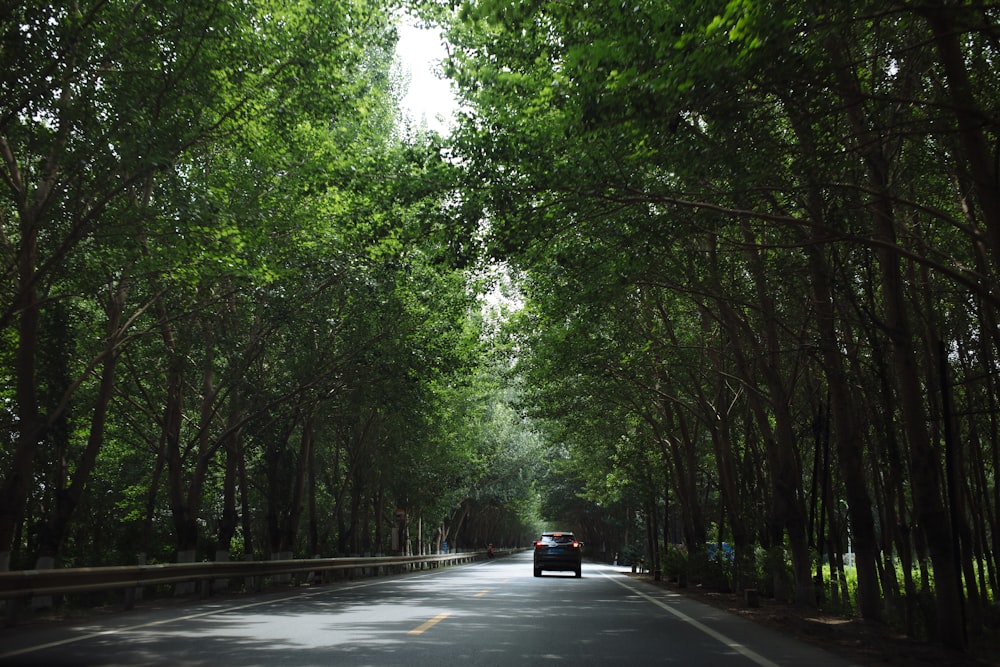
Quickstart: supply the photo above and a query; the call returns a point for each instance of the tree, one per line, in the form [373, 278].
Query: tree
[780, 152]
[238, 213]
[85, 131]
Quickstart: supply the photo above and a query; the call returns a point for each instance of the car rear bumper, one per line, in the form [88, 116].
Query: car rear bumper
[557, 563]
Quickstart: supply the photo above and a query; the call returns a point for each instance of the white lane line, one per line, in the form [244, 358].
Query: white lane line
[714, 634]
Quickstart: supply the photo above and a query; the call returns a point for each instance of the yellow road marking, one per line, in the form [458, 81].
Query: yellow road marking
[424, 627]
[481, 593]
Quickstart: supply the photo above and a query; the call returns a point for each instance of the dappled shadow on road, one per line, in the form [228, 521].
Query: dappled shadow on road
[340, 624]
[404, 621]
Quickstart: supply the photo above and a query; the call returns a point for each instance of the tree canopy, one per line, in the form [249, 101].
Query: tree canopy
[747, 258]
[758, 247]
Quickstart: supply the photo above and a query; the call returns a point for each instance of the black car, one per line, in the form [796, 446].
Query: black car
[558, 551]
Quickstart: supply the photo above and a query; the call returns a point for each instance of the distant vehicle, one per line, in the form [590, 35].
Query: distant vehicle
[558, 551]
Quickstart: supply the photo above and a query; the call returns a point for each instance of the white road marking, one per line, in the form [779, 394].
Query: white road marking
[718, 636]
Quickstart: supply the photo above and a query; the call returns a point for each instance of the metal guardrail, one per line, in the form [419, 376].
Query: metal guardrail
[20, 585]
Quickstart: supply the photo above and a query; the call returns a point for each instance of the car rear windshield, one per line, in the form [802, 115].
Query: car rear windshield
[561, 538]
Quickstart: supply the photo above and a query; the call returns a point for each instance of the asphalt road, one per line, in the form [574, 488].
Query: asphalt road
[488, 613]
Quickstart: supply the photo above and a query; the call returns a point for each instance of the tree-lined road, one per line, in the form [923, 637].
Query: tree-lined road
[491, 613]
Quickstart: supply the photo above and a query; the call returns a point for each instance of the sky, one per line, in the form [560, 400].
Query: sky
[420, 52]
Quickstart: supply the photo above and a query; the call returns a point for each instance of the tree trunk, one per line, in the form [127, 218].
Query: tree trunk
[982, 167]
[786, 478]
[293, 518]
[695, 533]
[233, 450]
[925, 473]
[149, 516]
[820, 494]
[652, 541]
[845, 413]
[68, 499]
[245, 513]
[278, 491]
[314, 542]
[743, 563]
[889, 459]
[719, 421]
[184, 522]
[355, 520]
[962, 541]
[849, 442]
[14, 491]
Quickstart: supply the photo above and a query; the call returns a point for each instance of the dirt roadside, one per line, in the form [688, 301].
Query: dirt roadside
[850, 637]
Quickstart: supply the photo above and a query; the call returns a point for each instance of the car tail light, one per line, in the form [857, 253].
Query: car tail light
[539, 545]
[576, 545]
